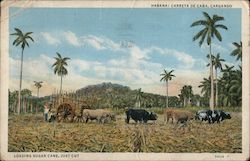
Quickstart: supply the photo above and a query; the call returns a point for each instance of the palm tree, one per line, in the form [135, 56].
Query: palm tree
[236, 86]
[225, 84]
[13, 97]
[216, 60]
[139, 97]
[209, 31]
[38, 85]
[186, 93]
[196, 100]
[227, 70]
[167, 76]
[238, 51]
[205, 87]
[21, 39]
[59, 67]
[25, 93]
[181, 98]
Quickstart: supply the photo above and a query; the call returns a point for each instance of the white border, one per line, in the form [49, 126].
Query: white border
[122, 4]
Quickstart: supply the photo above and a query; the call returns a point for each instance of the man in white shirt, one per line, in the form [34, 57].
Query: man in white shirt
[46, 111]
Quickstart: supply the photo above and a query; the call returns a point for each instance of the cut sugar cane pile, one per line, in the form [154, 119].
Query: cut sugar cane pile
[28, 133]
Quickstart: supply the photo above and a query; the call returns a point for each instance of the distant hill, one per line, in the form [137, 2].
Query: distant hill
[109, 95]
[107, 88]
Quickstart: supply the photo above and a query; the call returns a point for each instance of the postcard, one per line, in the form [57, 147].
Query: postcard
[124, 80]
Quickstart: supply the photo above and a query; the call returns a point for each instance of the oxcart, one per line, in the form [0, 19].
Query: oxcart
[67, 109]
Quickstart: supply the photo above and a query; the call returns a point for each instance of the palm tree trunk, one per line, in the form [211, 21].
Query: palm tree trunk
[212, 80]
[16, 104]
[20, 85]
[61, 86]
[216, 90]
[167, 94]
[184, 101]
[28, 105]
[31, 107]
[37, 92]
[25, 105]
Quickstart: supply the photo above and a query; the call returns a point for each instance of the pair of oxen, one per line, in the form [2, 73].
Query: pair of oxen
[100, 115]
[177, 115]
[182, 116]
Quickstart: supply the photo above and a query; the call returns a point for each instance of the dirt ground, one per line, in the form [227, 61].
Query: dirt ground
[29, 133]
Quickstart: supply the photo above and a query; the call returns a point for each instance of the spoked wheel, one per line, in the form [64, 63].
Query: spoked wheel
[65, 113]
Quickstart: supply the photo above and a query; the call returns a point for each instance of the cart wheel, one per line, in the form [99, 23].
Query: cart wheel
[65, 113]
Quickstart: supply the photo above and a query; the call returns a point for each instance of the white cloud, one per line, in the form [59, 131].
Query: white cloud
[138, 54]
[129, 76]
[82, 65]
[100, 43]
[32, 68]
[71, 38]
[117, 62]
[52, 40]
[186, 60]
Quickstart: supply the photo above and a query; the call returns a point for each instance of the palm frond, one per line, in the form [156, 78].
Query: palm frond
[15, 34]
[199, 34]
[221, 26]
[234, 52]
[27, 34]
[206, 15]
[217, 34]
[26, 43]
[171, 71]
[29, 37]
[203, 37]
[18, 42]
[217, 18]
[18, 31]
[59, 55]
[236, 44]
[199, 22]
[172, 75]
[65, 59]
[15, 41]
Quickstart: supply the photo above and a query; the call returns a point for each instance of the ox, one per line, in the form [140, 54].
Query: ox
[101, 115]
[180, 116]
[139, 115]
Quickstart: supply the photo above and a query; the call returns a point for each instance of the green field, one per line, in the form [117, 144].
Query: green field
[29, 133]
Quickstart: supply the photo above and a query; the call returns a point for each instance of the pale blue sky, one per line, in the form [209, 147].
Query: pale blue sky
[92, 38]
